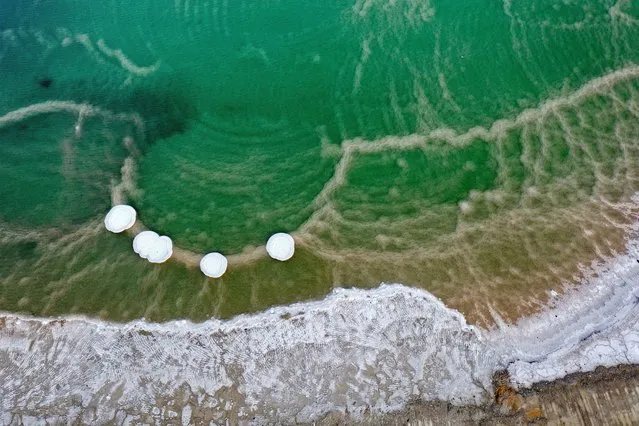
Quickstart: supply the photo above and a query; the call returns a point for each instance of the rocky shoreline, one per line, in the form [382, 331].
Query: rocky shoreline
[606, 396]
[357, 357]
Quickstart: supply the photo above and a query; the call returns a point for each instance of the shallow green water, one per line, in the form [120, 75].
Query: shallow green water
[351, 123]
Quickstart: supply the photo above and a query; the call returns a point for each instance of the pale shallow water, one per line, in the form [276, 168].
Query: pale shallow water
[482, 151]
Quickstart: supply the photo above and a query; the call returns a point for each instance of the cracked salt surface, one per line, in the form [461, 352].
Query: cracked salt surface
[378, 348]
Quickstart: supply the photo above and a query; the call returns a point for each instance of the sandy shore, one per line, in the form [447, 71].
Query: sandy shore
[606, 396]
[363, 355]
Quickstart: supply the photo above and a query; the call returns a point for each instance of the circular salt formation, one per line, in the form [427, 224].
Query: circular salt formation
[143, 243]
[214, 265]
[280, 246]
[162, 250]
[120, 218]
[149, 245]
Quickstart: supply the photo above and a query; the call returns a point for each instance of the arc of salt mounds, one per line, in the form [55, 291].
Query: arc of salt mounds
[120, 218]
[152, 247]
[214, 265]
[280, 246]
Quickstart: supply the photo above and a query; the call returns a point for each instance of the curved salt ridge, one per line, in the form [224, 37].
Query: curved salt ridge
[214, 265]
[49, 107]
[124, 61]
[280, 246]
[348, 150]
[120, 218]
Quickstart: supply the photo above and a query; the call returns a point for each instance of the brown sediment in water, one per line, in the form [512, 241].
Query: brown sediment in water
[497, 277]
[509, 246]
[503, 277]
[487, 274]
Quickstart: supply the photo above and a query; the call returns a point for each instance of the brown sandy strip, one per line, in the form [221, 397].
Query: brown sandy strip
[606, 396]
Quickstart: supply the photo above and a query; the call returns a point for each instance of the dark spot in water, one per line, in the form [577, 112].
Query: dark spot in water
[16, 252]
[229, 109]
[165, 111]
[163, 106]
[24, 249]
[45, 82]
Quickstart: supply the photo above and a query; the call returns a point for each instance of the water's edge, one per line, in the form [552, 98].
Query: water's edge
[356, 351]
[606, 396]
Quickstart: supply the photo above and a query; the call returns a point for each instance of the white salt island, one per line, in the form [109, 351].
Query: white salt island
[120, 218]
[152, 247]
[214, 265]
[280, 246]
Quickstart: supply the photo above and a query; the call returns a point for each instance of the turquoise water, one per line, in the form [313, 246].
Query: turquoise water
[481, 150]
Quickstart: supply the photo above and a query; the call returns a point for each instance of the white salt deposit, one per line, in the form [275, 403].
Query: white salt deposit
[120, 218]
[149, 245]
[280, 246]
[162, 250]
[143, 243]
[596, 324]
[214, 265]
[384, 348]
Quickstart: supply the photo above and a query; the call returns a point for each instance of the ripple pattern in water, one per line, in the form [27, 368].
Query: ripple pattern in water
[481, 150]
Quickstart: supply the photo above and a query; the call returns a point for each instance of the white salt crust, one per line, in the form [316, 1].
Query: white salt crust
[383, 348]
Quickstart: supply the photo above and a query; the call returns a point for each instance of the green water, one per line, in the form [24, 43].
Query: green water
[353, 124]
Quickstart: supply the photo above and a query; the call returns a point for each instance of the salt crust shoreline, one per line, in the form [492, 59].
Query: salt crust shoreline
[356, 351]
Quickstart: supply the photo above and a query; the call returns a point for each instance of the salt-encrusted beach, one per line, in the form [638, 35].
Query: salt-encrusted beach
[359, 352]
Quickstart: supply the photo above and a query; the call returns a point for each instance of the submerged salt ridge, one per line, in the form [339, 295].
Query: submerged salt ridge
[383, 348]
[245, 132]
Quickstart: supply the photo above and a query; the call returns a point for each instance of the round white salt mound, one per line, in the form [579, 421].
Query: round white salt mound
[280, 246]
[120, 218]
[214, 265]
[144, 242]
[149, 245]
[162, 250]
